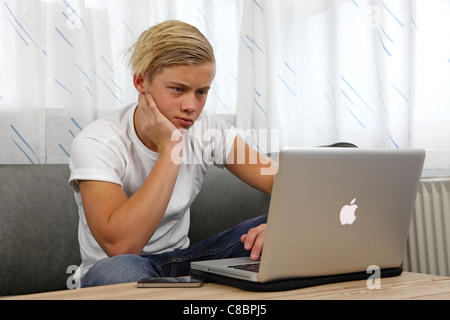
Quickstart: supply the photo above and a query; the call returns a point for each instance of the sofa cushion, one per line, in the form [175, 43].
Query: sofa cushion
[223, 202]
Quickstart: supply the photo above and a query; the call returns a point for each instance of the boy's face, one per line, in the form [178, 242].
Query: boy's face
[180, 91]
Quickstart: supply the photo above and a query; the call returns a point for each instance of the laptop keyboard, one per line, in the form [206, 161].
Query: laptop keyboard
[248, 266]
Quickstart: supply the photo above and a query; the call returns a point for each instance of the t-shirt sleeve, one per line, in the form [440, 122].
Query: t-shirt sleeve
[91, 159]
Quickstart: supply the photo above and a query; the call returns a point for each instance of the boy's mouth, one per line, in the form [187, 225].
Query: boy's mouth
[185, 122]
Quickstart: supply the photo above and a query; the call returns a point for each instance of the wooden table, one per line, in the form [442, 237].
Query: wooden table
[406, 286]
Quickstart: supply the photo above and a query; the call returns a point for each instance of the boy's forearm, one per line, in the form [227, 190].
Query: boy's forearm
[131, 225]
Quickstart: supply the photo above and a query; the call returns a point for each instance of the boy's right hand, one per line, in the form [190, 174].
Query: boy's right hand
[158, 132]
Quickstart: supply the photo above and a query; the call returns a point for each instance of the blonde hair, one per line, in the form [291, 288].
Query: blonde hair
[169, 43]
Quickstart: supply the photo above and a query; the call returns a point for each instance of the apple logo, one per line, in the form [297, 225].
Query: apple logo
[348, 213]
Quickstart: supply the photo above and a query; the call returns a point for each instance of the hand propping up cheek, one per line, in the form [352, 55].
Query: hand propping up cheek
[155, 126]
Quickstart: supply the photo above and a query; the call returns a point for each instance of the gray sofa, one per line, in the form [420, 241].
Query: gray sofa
[39, 222]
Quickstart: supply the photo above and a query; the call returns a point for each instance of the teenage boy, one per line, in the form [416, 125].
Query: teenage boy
[136, 173]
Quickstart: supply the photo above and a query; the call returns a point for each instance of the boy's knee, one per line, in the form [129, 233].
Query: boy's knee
[118, 269]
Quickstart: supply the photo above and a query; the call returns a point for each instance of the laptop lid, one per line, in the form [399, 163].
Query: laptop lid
[334, 211]
[339, 210]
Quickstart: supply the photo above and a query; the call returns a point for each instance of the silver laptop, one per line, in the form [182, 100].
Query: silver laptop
[333, 211]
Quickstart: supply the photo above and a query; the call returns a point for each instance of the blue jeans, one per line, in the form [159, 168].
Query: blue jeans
[131, 268]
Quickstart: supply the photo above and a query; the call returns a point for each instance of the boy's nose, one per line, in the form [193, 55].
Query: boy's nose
[189, 104]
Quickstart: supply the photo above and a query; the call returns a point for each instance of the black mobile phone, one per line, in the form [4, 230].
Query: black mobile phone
[169, 282]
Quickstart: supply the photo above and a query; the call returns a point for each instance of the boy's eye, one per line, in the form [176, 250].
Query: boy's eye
[202, 92]
[178, 89]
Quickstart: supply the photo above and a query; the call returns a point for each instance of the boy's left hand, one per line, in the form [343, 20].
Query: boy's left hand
[254, 241]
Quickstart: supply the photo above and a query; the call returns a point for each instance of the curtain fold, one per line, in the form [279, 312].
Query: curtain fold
[290, 73]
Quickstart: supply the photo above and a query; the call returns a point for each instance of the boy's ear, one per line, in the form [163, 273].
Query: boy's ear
[139, 83]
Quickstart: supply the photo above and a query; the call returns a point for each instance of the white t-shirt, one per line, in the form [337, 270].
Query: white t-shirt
[109, 150]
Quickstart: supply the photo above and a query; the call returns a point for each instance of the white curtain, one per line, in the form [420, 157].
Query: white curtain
[62, 65]
[374, 73]
[290, 72]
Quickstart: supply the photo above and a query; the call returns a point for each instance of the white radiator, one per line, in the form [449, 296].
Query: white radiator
[428, 245]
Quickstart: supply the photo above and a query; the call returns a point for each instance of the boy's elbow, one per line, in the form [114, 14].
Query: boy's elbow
[113, 250]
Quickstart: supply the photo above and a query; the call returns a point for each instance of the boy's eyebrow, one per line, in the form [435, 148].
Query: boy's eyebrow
[182, 85]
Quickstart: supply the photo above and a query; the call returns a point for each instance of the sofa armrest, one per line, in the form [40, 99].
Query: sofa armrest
[38, 228]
